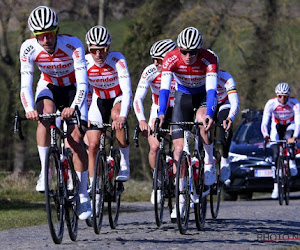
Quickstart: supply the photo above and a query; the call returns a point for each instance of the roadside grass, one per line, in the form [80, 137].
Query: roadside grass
[22, 206]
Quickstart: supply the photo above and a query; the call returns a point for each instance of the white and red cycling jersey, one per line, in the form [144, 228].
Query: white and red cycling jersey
[111, 79]
[64, 67]
[283, 114]
[150, 78]
[227, 94]
[198, 78]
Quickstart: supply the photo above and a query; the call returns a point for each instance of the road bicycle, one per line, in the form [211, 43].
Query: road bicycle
[189, 182]
[105, 187]
[163, 180]
[61, 180]
[283, 173]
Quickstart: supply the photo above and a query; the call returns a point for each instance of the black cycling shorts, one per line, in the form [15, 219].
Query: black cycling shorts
[184, 110]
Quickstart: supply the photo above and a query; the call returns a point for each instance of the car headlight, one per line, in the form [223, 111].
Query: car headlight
[236, 157]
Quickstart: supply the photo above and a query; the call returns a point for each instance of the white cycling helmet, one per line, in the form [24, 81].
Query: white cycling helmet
[190, 38]
[98, 35]
[42, 18]
[160, 48]
[283, 88]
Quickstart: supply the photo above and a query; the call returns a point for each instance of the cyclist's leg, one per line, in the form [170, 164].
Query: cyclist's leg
[209, 166]
[292, 163]
[123, 146]
[225, 141]
[44, 105]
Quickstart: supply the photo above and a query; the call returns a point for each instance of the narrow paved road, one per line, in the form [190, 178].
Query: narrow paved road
[241, 225]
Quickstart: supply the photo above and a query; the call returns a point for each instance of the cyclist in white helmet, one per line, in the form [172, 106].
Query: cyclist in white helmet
[284, 113]
[109, 76]
[63, 83]
[151, 77]
[195, 71]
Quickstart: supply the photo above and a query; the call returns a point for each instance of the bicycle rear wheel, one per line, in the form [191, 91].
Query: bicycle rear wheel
[72, 201]
[200, 207]
[54, 195]
[182, 193]
[215, 190]
[116, 189]
[280, 179]
[98, 192]
[287, 184]
[159, 187]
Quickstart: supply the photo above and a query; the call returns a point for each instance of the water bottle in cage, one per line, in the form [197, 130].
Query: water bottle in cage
[110, 165]
[195, 165]
[65, 167]
[169, 162]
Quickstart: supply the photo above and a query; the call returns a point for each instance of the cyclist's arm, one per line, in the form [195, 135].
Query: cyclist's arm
[211, 80]
[125, 85]
[296, 109]
[166, 80]
[265, 119]
[80, 74]
[140, 94]
[27, 69]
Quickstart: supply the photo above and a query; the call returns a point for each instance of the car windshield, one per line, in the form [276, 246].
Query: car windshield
[249, 132]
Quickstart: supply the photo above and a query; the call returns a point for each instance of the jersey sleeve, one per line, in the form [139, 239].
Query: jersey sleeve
[296, 109]
[233, 97]
[166, 80]
[140, 94]
[266, 118]
[80, 74]
[27, 69]
[125, 85]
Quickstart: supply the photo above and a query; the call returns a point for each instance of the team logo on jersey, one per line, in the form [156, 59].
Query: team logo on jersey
[70, 47]
[170, 61]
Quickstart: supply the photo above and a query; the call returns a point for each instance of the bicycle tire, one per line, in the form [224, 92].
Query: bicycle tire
[98, 189]
[200, 207]
[54, 195]
[72, 200]
[287, 184]
[182, 171]
[280, 179]
[215, 190]
[116, 189]
[159, 185]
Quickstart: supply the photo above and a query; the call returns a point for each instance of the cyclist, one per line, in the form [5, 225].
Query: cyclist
[227, 109]
[109, 76]
[151, 77]
[283, 111]
[63, 82]
[195, 72]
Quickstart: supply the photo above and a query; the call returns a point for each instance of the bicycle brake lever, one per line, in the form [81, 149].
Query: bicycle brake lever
[78, 120]
[136, 135]
[17, 125]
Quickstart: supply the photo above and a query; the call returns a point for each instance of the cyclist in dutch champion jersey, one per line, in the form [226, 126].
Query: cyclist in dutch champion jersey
[109, 76]
[227, 109]
[284, 113]
[151, 77]
[195, 72]
[63, 82]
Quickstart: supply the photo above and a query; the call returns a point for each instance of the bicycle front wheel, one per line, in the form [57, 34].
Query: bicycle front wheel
[98, 192]
[116, 190]
[72, 200]
[287, 184]
[280, 172]
[215, 190]
[54, 195]
[159, 187]
[182, 193]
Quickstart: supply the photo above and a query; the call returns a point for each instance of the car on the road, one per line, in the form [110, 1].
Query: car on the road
[251, 163]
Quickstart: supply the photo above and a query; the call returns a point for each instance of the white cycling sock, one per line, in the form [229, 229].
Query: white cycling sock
[42, 153]
[224, 161]
[91, 181]
[83, 177]
[124, 162]
[208, 158]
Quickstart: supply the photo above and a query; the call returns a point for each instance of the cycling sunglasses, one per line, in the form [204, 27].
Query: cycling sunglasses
[101, 50]
[191, 52]
[282, 96]
[158, 60]
[48, 33]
